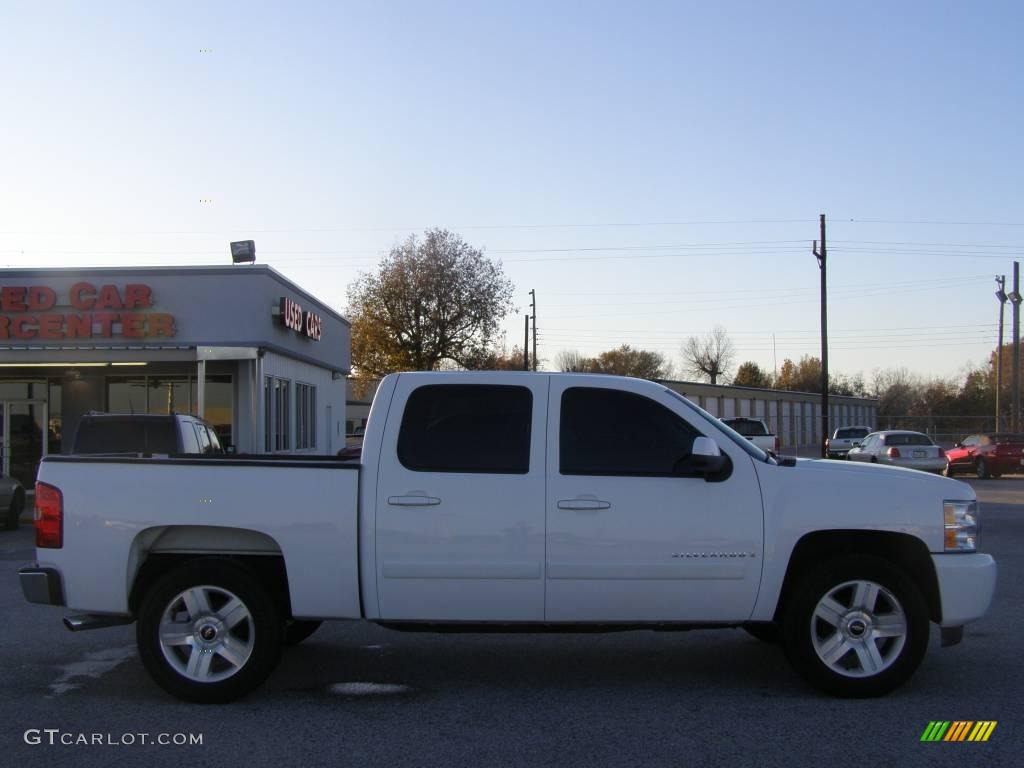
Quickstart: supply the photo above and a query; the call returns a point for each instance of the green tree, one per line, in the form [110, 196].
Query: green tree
[626, 361]
[750, 374]
[433, 300]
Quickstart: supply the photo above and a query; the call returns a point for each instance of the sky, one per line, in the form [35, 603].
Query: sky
[651, 169]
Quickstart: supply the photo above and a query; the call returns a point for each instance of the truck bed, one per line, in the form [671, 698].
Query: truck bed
[307, 515]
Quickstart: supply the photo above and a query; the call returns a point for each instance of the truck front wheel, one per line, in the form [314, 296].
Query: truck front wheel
[856, 627]
[209, 631]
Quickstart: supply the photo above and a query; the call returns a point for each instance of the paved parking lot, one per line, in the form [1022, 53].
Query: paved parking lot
[635, 698]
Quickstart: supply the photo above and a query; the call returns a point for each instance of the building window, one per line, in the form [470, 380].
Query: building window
[305, 416]
[276, 414]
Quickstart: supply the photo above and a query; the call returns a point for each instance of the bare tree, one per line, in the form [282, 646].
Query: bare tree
[572, 361]
[709, 356]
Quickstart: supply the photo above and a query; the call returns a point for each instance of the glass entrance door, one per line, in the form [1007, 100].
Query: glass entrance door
[24, 432]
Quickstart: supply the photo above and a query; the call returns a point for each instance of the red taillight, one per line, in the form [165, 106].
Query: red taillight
[942, 453]
[893, 453]
[49, 517]
[778, 444]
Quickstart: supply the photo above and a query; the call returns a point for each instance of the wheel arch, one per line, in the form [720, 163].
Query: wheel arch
[901, 549]
[157, 550]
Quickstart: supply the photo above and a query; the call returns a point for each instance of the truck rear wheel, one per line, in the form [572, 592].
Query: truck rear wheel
[856, 627]
[209, 631]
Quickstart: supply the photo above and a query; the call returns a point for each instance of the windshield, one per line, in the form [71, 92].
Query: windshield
[851, 433]
[732, 434]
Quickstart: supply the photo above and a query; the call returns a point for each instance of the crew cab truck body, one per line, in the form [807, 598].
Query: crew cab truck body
[512, 499]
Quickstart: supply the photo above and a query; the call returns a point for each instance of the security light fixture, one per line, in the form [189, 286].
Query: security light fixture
[1014, 297]
[243, 252]
[1001, 295]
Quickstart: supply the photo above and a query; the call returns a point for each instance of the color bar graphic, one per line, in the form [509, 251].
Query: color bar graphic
[959, 730]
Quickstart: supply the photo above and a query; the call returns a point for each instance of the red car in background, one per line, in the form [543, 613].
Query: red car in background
[989, 454]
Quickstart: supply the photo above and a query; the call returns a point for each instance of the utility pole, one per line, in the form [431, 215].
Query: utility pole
[1015, 298]
[822, 256]
[533, 306]
[526, 344]
[1001, 295]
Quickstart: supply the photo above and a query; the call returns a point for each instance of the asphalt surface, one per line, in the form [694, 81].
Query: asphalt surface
[704, 698]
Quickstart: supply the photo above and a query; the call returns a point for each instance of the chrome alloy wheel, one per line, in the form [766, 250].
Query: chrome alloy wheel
[858, 629]
[206, 634]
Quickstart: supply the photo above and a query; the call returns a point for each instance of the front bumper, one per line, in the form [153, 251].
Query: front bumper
[42, 585]
[967, 583]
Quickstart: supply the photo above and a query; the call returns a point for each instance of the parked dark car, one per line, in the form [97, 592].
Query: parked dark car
[145, 434]
[989, 454]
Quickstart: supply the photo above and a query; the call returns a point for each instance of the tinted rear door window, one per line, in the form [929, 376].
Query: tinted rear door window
[610, 432]
[467, 428]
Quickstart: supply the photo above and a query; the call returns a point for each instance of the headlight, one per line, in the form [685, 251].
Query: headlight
[961, 532]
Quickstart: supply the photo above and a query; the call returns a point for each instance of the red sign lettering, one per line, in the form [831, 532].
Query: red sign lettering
[17, 301]
[41, 298]
[83, 295]
[12, 299]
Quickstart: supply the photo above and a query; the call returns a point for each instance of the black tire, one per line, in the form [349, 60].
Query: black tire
[981, 469]
[260, 638]
[15, 509]
[765, 632]
[847, 677]
[295, 631]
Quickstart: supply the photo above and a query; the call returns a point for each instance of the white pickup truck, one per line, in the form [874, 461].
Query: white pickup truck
[756, 431]
[518, 500]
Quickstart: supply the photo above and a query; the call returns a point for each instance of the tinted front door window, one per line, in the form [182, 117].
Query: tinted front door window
[610, 432]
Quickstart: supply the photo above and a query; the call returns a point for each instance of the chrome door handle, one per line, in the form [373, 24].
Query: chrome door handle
[584, 504]
[413, 501]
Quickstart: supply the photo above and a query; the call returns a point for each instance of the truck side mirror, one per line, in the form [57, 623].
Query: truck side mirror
[705, 460]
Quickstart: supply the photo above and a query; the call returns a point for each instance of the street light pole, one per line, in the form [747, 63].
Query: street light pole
[1001, 295]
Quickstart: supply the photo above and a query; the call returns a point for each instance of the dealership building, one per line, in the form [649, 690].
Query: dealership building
[253, 353]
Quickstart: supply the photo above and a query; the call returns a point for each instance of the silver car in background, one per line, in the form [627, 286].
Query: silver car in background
[900, 448]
